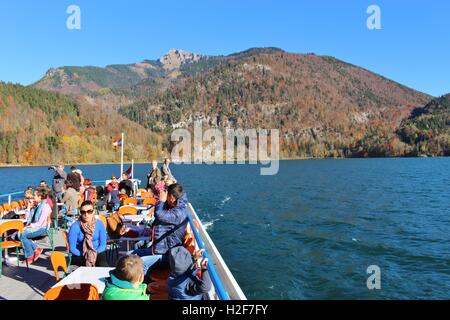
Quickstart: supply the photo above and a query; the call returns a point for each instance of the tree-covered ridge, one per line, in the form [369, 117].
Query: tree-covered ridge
[39, 127]
[322, 106]
[428, 129]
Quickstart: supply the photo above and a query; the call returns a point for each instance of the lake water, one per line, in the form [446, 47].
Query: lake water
[312, 230]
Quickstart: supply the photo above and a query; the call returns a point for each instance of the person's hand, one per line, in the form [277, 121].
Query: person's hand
[198, 254]
[163, 195]
[204, 264]
[201, 263]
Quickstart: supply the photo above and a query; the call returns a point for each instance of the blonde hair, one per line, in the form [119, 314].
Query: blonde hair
[130, 268]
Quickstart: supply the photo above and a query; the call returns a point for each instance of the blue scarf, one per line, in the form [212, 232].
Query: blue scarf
[36, 213]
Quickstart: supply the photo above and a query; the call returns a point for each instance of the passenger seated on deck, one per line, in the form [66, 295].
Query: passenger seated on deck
[126, 185]
[89, 191]
[113, 200]
[29, 198]
[87, 239]
[109, 187]
[126, 281]
[37, 223]
[184, 282]
[169, 228]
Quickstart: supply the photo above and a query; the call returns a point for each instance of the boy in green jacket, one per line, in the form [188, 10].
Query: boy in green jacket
[125, 282]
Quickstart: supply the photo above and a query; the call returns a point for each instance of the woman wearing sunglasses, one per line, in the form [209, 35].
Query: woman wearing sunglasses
[87, 239]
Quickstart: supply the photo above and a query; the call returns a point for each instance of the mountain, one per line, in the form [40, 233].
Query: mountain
[39, 127]
[119, 79]
[427, 130]
[322, 106]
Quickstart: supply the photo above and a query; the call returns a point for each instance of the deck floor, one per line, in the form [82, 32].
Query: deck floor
[18, 283]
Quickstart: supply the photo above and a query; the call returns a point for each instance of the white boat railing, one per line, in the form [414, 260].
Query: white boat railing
[220, 269]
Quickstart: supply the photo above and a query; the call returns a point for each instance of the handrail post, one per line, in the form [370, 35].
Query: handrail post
[9, 198]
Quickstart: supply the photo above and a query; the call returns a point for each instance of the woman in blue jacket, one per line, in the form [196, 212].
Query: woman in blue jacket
[87, 239]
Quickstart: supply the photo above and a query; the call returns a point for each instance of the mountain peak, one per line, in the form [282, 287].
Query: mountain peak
[175, 58]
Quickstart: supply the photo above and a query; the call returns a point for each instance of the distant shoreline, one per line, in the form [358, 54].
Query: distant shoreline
[4, 165]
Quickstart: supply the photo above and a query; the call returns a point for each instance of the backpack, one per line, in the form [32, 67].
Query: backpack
[90, 194]
[114, 226]
[10, 215]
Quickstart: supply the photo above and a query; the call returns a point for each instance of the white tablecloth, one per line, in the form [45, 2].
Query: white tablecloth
[133, 218]
[90, 275]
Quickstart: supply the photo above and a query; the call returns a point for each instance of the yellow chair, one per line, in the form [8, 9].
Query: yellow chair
[82, 291]
[11, 226]
[15, 205]
[58, 260]
[123, 196]
[127, 211]
[7, 206]
[129, 201]
[111, 245]
[150, 201]
[144, 194]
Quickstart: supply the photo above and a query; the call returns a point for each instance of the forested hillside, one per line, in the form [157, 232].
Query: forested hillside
[39, 127]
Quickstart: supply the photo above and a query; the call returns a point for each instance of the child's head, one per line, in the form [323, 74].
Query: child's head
[130, 268]
[180, 260]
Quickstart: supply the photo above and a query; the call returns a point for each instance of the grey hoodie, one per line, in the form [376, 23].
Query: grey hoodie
[183, 283]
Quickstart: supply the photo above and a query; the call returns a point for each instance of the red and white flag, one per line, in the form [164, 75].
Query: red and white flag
[117, 143]
[129, 172]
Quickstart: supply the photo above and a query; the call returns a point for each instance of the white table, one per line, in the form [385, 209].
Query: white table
[141, 207]
[128, 240]
[138, 207]
[133, 218]
[92, 275]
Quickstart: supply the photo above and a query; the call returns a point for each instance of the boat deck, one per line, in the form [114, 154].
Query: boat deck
[18, 283]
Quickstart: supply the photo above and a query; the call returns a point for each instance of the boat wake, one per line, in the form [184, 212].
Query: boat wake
[222, 203]
[208, 224]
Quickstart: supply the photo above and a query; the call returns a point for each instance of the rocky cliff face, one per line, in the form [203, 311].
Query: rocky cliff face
[175, 58]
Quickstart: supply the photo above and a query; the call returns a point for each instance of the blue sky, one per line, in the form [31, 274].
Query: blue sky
[413, 46]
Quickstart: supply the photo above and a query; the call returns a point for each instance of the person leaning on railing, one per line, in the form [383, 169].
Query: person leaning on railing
[87, 239]
[154, 176]
[58, 179]
[189, 278]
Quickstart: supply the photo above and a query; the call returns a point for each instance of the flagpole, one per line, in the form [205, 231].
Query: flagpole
[121, 157]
